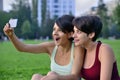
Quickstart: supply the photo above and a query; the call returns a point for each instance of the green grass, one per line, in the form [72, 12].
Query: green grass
[16, 65]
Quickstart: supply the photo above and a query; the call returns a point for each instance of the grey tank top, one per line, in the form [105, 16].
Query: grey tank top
[62, 70]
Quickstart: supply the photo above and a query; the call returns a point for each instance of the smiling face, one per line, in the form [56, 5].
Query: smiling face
[59, 37]
[80, 38]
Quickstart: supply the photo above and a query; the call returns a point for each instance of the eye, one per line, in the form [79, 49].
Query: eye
[79, 32]
[60, 30]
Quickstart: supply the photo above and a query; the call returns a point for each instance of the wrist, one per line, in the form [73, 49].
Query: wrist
[10, 34]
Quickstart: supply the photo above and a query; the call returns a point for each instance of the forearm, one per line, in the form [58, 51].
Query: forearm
[13, 38]
[16, 42]
[68, 77]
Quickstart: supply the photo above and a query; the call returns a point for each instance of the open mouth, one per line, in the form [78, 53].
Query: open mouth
[57, 39]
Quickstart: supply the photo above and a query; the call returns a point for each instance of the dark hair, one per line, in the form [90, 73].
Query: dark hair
[89, 24]
[65, 23]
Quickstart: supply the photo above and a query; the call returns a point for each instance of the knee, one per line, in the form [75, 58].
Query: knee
[36, 77]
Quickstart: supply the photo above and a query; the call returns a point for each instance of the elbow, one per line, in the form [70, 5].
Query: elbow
[20, 50]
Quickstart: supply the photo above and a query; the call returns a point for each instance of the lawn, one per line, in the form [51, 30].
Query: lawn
[16, 65]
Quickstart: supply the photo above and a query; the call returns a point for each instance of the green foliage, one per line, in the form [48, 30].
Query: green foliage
[35, 28]
[43, 12]
[34, 9]
[102, 12]
[4, 18]
[117, 15]
[22, 11]
[26, 29]
[47, 29]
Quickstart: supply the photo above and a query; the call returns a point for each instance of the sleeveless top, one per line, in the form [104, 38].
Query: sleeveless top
[62, 70]
[93, 73]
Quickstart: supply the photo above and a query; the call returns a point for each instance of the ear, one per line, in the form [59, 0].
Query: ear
[91, 35]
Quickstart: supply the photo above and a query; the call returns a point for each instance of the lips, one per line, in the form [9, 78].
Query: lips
[76, 40]
[57, 39]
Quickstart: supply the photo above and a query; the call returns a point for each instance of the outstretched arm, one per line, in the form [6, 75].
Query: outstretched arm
[20, 46]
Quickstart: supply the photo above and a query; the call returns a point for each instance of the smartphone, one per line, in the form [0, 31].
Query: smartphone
[13, 23]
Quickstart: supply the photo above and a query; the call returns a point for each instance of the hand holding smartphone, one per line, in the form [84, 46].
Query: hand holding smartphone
[13, 22]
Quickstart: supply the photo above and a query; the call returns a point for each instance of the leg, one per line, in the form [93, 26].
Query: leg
[36, 77]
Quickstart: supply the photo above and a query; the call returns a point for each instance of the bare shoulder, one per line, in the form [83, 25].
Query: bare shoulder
[49, 46]
[79, 50]
[106, 48]
[106, 52]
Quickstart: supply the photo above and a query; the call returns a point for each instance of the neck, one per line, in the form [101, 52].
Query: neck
[66, 47]
[90, 46]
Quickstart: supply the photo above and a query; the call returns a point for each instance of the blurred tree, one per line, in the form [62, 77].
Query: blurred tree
[26, 29]
[4, 18]
[116, 19]
[116, 15]
[22, 11]
[114, 32]
[47, 23]
[102, 12]
[34, 9]
[35, 27]
[43, 12]
[46, 31]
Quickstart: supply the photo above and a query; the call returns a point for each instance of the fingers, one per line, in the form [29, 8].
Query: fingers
[8, 30]
[6, 27]
[46, 78]
[51, 72]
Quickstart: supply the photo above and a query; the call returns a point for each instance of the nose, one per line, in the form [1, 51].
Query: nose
[73, 35]
[54, 32]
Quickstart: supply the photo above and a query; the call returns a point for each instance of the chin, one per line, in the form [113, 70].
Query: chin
[77, 44]
[57, 44]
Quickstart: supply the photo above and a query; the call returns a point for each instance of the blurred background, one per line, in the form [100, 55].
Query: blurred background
[35, 23]
[36, 17]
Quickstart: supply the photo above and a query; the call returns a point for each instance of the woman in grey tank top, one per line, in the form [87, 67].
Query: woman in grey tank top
[66, 57]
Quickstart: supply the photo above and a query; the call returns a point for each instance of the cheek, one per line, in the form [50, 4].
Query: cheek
[52, 34]
[82, 38]
[62, 34]
[64, 38]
